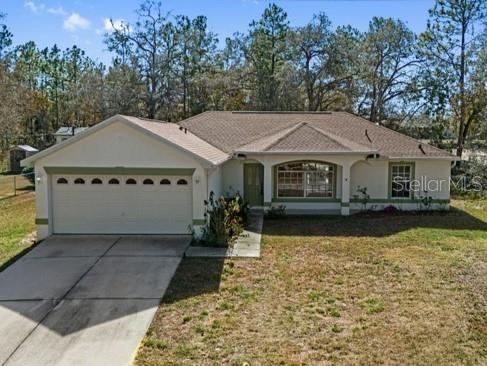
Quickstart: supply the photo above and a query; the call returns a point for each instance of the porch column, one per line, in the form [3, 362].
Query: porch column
[267, 184]
[345, 203]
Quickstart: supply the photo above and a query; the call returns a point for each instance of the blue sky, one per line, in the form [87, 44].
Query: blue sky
[82, 22]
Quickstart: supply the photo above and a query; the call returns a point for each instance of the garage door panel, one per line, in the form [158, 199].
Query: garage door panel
[121, 208]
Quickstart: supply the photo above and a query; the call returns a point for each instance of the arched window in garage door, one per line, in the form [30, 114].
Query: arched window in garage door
[182, 182]
[62, 181]
[131, 181]
[165, 182]
[79, 181]
[96, 181]
[113, 181]
[148, 181]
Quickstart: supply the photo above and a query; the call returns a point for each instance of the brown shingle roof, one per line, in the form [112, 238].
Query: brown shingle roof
[304, 138]
[304, 132]
[184, 139]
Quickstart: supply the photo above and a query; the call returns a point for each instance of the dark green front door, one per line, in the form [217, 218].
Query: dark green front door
[253, 184]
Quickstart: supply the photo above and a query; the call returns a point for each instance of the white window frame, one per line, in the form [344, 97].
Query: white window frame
[331, 170]
[392, 179]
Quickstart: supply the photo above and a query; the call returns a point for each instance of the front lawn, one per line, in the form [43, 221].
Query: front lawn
[17, 219]
[403, 289]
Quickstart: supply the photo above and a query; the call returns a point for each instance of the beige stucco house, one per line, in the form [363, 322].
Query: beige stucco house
[131, 175]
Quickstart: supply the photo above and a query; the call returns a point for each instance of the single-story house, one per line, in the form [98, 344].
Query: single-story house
[132, 175]
[64, 133]
[18, 153]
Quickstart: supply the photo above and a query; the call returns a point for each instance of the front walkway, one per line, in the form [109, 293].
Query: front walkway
[246, 246]
[84, 300]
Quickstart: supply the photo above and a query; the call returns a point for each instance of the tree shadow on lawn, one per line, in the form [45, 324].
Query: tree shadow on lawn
[194, 276]
[374, 224]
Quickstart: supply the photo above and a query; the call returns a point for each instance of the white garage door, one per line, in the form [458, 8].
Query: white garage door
[98, 204]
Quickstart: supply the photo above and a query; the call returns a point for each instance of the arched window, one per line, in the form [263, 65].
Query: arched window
[79, 181]
[148, 181]
[113, 181]
[131, 181]
[306, 179]
[96, 181]
[165, 181]
[182, 182]
[62, 181]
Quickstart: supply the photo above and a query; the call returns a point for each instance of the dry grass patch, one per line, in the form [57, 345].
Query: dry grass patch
[405, 290]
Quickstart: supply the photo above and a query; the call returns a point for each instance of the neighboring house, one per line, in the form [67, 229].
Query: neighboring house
[18, 153]
[64, 133]
[130, 175]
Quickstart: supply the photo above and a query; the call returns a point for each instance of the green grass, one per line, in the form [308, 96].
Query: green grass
[365, 290]
[17, 218]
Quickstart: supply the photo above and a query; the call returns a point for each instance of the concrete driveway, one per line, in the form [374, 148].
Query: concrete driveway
[84, 300]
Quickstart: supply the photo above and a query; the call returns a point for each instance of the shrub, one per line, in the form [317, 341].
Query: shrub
[390, 209]
[28, 172]
[225, 220]
[276, 212]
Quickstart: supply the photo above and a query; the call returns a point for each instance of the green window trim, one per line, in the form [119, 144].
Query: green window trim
[311, 199]
[411, 164]
[275, 198]
[398, 200]
[41, 221]
[119, 170]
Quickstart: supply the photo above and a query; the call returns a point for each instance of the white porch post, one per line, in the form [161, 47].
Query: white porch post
[267, 183]
[345, 203]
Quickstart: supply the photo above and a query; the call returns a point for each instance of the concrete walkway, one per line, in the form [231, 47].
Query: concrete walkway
[84, 300]
[246, 246]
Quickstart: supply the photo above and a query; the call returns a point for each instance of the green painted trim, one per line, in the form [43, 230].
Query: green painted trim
[345, 204]
[40, 221]
[199, 221]
[412, 164]
[311, 199]
[392, 200]
[267, 204]
[295, 199]
[118, 170]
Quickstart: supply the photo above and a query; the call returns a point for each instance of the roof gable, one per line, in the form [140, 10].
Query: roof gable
[304, 138]
[170, 133]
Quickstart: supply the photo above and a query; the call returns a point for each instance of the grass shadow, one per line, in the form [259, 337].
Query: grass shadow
[16, 257]
[194, 276]
[376, 224]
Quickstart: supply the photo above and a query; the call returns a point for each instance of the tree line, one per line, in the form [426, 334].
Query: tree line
[431, 85]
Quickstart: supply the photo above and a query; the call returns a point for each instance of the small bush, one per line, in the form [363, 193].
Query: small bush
[390, 209]
[276, 212]
[225, 220]
[29, 174]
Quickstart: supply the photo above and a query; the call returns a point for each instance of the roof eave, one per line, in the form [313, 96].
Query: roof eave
[307, 152]
[409, 157]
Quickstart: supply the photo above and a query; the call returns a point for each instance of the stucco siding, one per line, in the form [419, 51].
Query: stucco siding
[373, 174]
[233, 178]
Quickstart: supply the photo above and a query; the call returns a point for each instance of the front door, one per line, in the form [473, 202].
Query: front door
[253, 184]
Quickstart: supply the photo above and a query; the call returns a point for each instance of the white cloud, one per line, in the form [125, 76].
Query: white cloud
[109, 27]
[33, 7]
[75, 22]
[57, 11]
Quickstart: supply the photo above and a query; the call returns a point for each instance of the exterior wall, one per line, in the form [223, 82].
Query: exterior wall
[429, 175]
[117, 145]
[373, 174]
[215, 181]
[233, 178]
